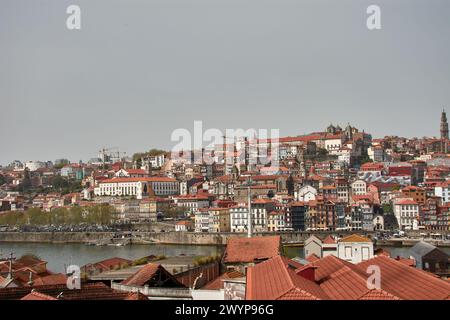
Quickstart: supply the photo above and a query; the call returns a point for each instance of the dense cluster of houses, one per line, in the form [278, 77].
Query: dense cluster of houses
[337, 179]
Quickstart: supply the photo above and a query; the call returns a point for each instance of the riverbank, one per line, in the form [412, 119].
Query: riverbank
[54, 237]
[172, 237]
[188, 238]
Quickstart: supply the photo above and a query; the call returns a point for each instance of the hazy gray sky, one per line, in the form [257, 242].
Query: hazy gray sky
[139, 69]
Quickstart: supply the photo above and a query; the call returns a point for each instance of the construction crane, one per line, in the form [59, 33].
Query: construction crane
[112, 153]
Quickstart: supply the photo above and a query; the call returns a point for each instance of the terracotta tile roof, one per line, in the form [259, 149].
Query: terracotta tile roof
[252, 249]
[29, 261]
[274, 280]
[368, 197]
[151, 179]
[109, 263]
[376, 294]
[184, 223]
[35, 295]
[405, 202]
[134, 171]
[381, 251]
[340, 280]
[193, 197]
[263, 177]
[217, 283]
[329, 240]
[312, 257]
[406, 282]
[58, 278]
[262, 201]
[291, 263]
[297, 203]
[330, 264]
[224, 179]
[407, 262]
[143, 275]
[92, 291]
[345, 284]
[135, 296]
[413, 188]
[372, 166]
[355, 238]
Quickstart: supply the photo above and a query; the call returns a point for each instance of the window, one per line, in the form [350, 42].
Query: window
[348, 251]
[365, 253]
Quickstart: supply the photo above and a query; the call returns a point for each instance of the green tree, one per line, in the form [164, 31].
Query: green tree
[58, 182]
[101, 214]
[365, 159]
[25, 185]
[65, 185]
[151, 153]
[387, 208]
[175, 212]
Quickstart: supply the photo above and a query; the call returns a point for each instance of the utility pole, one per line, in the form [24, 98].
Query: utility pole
[249, 215]
[11, 258]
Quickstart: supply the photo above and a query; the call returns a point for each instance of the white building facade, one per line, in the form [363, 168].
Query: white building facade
[442, 191]
[359, 187]
[355, 249]
[406, 212]
[239, 216]
[138, 187]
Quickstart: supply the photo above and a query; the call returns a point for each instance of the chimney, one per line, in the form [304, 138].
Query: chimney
[307, 272]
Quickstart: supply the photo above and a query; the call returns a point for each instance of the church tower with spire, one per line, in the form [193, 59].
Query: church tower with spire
[444, 125]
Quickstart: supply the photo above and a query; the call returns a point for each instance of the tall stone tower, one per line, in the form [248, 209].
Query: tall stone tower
[444, 125]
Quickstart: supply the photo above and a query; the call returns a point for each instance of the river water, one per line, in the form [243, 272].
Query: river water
[59, 255]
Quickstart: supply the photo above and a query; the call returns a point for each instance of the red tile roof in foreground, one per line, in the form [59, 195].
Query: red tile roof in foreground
[135, 296]
[336, 279]
[376, 294]
[252, 249]
[143, 275]
[280, 282]
[111, 262]
[217, 283]
[91, 291]
[35, 295]
[58, 278]
[312, 257]
[406, 282]
[330, 264]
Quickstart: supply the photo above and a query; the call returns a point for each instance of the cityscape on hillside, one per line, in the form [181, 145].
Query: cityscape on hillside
[220, 158]
[334, 198]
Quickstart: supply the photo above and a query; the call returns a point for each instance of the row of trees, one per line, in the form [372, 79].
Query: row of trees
[99, 214]
[153, 152]
[58, 184]
[65, 186]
